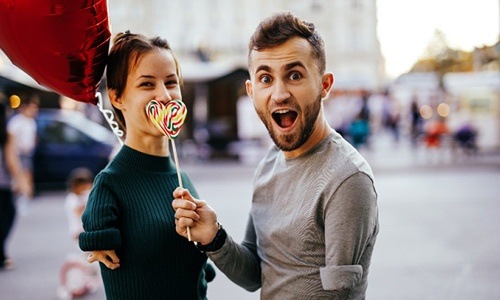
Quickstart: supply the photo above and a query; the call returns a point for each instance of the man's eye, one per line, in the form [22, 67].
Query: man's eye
[265, 79]
[295, 76]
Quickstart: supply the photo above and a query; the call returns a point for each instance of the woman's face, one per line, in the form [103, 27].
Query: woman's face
[154, 76]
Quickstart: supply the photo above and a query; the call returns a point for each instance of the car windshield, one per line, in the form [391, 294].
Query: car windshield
[78, 121]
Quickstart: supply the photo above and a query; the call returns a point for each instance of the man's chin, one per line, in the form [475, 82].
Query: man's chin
[285, 142]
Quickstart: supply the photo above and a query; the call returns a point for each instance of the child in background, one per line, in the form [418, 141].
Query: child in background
[79, 185]
[77, 277]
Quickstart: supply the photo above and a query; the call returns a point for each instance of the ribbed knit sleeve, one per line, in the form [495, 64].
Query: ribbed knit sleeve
[100, 218]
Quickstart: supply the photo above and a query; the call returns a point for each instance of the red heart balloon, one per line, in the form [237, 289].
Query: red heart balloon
[62, 44]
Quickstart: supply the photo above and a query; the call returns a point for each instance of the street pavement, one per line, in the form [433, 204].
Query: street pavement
[439, 226]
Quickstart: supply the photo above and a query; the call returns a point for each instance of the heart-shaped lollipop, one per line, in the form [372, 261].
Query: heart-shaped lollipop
[168, 118]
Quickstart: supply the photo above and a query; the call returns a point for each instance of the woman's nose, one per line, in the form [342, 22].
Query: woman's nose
[163, 94]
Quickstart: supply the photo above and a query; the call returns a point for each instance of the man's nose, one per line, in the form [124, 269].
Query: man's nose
[280, 92]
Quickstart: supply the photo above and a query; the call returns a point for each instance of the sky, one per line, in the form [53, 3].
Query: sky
[405, 27]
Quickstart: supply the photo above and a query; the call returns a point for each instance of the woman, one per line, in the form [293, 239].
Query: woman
[129, 222]
[10, 172]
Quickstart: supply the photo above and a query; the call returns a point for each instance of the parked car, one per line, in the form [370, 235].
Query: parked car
[67, 140]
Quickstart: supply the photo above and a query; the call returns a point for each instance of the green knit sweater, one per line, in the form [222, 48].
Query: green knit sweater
[129, 211]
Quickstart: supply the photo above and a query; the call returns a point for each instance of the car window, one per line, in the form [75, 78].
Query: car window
[58, 132]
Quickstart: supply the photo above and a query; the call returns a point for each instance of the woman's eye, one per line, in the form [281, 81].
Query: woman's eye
[146, 84]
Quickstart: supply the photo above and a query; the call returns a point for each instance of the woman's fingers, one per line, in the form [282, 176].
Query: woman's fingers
[108, 258]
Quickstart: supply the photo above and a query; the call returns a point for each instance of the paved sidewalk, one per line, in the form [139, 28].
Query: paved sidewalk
[438, 240]
[386, 155]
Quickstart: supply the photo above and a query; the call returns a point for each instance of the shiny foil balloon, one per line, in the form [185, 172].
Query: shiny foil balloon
[62, 44]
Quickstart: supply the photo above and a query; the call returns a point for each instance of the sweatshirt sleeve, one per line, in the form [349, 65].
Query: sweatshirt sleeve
[100, 218]
[240, 263]
[350, 224]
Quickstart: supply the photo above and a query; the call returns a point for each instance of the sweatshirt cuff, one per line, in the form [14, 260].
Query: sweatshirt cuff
[107, 239]
[337, 278]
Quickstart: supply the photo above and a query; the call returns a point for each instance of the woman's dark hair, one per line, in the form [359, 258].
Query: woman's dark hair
[127, 49]
[279, 28]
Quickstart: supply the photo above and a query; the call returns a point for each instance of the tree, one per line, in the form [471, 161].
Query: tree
[439, 57]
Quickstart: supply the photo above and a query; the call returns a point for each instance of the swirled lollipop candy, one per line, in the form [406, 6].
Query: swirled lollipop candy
[168, 118]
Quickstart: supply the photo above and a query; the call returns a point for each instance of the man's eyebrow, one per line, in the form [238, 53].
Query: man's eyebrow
[293, 65]
[263, 68]
[286, 67]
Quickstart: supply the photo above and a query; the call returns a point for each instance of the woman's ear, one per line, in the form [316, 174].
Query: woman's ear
[114, 100]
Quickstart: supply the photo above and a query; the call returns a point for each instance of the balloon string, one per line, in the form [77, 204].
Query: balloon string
[178, 168]
[109, 116]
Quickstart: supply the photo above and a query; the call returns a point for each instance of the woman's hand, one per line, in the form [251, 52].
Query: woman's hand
[107, 257]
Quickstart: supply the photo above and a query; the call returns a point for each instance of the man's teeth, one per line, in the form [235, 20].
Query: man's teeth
[282, 111]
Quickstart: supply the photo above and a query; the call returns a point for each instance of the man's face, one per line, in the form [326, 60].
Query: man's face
[31, 110]
[287, 89]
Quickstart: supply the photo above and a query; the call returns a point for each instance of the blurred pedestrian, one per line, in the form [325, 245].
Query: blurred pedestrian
[314, 217]
[465, 137]
[359, 129]
[11, 181]
[435, 131]
[79, 185]
[77, 277]
[392, 115]
[129, 222]
[415, 120]
[23, 126]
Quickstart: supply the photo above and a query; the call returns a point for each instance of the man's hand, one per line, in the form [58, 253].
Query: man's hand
[195, 214]
[107, 257]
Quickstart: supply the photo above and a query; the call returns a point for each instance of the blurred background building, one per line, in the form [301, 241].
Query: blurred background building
[218, 31]
[453, 87]
[211, 40]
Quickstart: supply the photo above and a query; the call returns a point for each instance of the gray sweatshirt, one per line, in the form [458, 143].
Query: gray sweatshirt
[312, 226]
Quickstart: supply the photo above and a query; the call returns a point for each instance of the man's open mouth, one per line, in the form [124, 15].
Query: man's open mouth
[284, 117]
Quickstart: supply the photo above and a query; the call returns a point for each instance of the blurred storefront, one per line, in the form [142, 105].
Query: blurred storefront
[211, 91]
[477, 99]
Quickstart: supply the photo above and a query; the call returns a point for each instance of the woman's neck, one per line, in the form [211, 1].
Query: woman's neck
[153, 145]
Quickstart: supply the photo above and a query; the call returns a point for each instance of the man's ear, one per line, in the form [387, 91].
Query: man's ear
[114, 100]
[327, 84]
[249, 88]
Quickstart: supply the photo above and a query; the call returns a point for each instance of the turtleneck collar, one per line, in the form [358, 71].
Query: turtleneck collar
[133, 159]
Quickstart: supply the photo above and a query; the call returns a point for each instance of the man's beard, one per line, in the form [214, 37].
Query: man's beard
[292, 141]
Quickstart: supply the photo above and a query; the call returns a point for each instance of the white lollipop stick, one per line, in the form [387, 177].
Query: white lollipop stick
[169, 119]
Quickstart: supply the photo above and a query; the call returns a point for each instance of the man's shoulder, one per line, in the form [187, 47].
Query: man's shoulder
[342, 157]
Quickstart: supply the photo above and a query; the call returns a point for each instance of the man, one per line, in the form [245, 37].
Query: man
[23, 126]
[314, 217]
